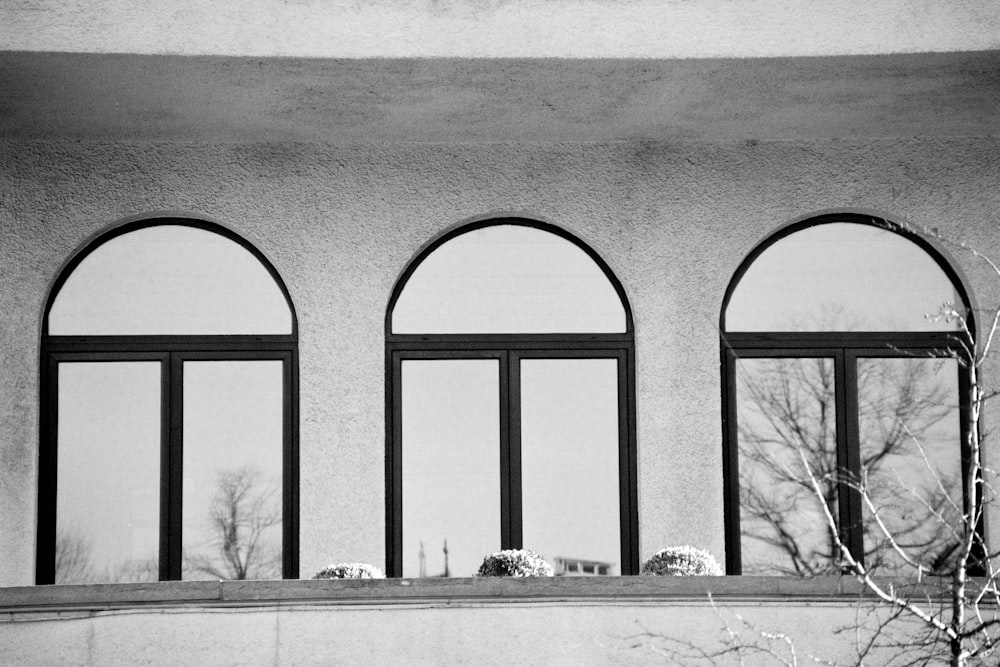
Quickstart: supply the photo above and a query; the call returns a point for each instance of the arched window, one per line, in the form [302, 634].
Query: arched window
[169, 411]
[839, 363]
[510, 404]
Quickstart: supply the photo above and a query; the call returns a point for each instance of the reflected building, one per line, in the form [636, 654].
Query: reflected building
[578, 567]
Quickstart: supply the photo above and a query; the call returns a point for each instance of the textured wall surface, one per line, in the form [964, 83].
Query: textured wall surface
[500, 28]
[491, 620]
[517, 633]
[380, 125]
[672, 219]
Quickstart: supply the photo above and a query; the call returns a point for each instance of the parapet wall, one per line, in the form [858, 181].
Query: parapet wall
[562, 621]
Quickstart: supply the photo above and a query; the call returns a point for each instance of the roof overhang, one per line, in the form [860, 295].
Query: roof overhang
[115, 97]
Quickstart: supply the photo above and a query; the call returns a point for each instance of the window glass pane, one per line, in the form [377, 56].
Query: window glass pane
[508, 279]
[841, 277]
[233, 446]
[786, 412]
[108, 497]
[451, 465]
[911, 451]
[569, 463]
[170, 279]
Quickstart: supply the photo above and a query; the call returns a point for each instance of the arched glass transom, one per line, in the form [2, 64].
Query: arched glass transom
[510, 409]
[508, 279]
[169, 279]
[842, 276]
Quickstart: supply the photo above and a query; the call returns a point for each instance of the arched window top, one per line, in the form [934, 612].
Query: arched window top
[508, 277]
[170, 278]
[840, 274]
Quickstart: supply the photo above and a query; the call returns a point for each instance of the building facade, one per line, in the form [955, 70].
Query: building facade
[488, 276]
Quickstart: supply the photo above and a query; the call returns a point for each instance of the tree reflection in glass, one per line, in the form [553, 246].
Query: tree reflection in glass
[232, 469]
[911, 467]
[787, 413]
[107, 512]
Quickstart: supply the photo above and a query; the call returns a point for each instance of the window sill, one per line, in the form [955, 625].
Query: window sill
[392, 592]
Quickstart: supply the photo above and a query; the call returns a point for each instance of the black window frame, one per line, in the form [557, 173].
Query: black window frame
[508, 349]
[845, 348]
[170, 351]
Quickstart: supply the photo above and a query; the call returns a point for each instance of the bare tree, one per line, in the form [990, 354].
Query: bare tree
[929, 586]
[136, 570]
[961, 624]
[75, 563]
[787, 409]
[242, 511]
[73, 558]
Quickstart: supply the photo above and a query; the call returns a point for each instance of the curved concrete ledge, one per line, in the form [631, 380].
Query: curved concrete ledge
[451, 592]
[359, 102]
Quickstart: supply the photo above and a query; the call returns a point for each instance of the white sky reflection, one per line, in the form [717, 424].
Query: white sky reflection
[841, 277]
[170, 279]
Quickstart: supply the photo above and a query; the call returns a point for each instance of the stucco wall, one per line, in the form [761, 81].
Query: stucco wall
[574, 621]
[672, 219]
[518, 634]
[500, 28]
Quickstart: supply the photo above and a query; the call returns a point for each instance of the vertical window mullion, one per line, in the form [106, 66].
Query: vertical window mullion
[965, 428]
[627, 502]
[633, 448]
[394, 472]
[510, 450]
[730, 461]
[290, 468]
[172, 473]
[166, 377]
[849, 453]
[45, 565]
